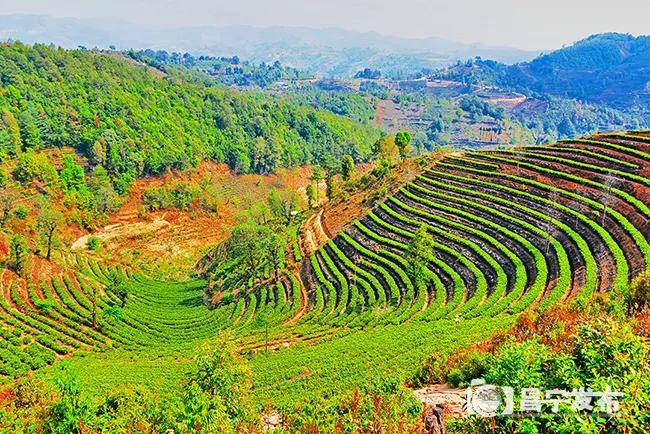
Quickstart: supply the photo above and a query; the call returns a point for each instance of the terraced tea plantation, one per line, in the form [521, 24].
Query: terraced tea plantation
[515, 229]
[50, 314]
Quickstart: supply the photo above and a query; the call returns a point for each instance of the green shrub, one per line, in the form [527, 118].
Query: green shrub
[640, 291]
[518, 364]
[433, 371]
[21, 212]
[34, 166]
[155, 198]
[474, 365]
[382, 169]
[18, 252]
[71, 410]
[4, 177]
[599, 354]
[225, 378]
[94, 243]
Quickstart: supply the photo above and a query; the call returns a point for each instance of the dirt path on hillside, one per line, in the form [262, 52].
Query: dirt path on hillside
[303, 298]
[508, 101]
[286, 342]
[121, 230]
[453, 401]
[311, 237]
[313, 234]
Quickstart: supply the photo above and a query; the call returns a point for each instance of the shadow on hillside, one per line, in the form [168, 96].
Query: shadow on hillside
[192, 301]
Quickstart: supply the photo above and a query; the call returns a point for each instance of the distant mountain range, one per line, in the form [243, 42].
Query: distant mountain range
[326, 52]
[610, 68]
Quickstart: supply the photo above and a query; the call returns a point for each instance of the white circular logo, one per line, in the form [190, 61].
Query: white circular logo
[488, 400]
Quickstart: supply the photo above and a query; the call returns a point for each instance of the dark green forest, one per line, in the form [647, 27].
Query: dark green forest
[230, 71]
[136, 121]
[609, 68]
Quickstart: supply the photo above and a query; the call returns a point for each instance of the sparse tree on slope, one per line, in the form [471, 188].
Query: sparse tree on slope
[10, 125]
[317, 175]
[7, 201]
[275, 246]
[117, 286]
[347, 167]
[18, 251]
[48, 223]
[311, 192]
[403, 142]
[282, 204]
[417, 254]
[385, 148]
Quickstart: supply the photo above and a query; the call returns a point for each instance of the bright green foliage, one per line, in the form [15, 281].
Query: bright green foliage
[72, 175]
[105, 108]
[249, 253]
[310, 190]
[178, 195]
[282, 205]
[116, 284]
[317, 175]
[94, 243]
[4, 175]
[34, 167]
[403, 142]
[10, 141]
[72, 411]
[104, 194]
[224, 377]
[351, 105]
[417, 254]
[600, 354]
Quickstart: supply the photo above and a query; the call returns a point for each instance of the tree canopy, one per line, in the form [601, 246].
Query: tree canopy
[133, 121]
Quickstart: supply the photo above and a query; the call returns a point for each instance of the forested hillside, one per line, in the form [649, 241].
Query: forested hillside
[136, 121]
[609, 68]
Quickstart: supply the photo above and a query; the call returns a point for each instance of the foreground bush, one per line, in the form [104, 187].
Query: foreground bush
[591, 353]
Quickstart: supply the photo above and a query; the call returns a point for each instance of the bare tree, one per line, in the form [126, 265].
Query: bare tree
[547, 224]
[49, 221]
[606, 195]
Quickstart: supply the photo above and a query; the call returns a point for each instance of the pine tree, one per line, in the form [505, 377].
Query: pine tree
[347, 167]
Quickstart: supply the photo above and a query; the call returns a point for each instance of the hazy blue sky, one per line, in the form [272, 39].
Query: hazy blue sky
[531, 24]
